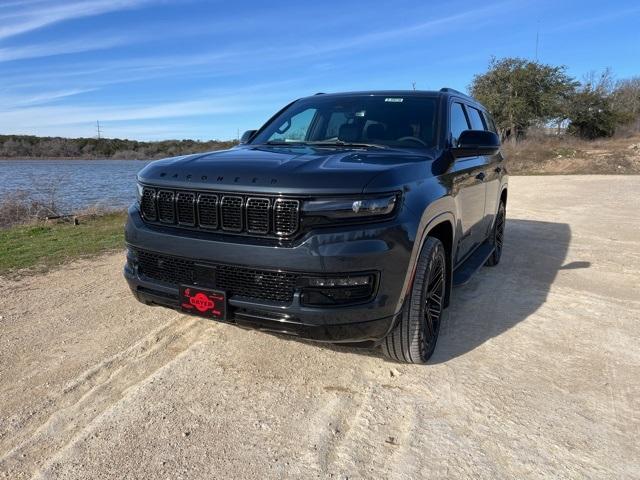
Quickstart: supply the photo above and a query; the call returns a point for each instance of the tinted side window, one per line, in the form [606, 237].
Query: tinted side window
[458, 121]
[491, 126]
[475, 116]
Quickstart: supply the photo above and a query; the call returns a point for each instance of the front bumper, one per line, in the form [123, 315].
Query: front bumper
[384, 247]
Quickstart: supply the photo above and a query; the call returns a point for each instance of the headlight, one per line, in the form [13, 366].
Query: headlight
[350, 208]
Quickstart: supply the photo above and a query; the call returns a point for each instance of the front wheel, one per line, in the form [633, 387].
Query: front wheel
[413, 339]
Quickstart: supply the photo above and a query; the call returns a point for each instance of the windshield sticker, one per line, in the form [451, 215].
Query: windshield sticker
[361, 113]
[394, 100]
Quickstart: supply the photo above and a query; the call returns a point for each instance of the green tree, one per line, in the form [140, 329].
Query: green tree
[520, 93]
[625, 100]
[13, 146]
[591, 110]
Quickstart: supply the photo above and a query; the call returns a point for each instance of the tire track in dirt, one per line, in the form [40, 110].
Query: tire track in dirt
[365, 418]
[95, 391]
[380, 428]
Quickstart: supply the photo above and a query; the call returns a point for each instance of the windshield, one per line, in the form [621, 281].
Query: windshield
[386, 121]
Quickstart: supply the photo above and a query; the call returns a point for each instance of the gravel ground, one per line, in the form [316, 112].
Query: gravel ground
[536, 373]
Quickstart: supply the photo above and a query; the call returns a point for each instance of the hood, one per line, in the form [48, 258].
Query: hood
[286, 170]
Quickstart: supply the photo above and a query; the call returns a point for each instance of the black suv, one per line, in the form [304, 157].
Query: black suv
[346, 218]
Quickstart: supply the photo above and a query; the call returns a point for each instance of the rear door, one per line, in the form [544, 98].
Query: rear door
[491, 171]
[468, 187]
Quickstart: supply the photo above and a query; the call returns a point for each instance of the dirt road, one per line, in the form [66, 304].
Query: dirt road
[536, 373]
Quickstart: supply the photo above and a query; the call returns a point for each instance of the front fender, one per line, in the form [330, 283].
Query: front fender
[436, 214]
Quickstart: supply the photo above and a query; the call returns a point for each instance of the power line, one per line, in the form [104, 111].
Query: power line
[537, 39]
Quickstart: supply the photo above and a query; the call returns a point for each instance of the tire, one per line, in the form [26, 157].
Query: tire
[497, 236]
[413, 339]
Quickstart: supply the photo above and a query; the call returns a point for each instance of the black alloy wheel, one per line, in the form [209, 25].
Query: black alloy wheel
[413, 339]
[498, 236]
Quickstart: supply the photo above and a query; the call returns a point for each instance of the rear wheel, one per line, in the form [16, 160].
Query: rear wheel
[413, 340]
[497, 236]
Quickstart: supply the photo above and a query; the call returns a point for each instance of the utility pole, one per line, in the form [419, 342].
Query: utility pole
[413, 85]
[98, 128]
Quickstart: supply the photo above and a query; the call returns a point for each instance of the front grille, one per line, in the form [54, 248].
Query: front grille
[148, 204]
[231, 208]
[258, 215]
[287, 213]
[166, 206]
[255, 215]
[208, 210]
[186, 208]
[246, 282]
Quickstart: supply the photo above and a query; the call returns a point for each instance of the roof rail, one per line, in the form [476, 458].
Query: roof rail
[457, 92]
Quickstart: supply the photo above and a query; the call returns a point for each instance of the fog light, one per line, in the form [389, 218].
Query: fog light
[132, 260]
[331, 291]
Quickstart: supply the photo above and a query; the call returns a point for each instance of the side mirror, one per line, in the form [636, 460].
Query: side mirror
[246, 136]
[476, 142]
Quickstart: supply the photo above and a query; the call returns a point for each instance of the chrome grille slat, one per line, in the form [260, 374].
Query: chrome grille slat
[235, 213]
[231, 213]
[186, 208]
[286, 216]
[208, 210]
[258, 211]
[148, 204]
[166, 206]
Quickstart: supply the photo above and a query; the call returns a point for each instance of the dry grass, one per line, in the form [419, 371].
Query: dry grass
[21, 207]
[539, 155]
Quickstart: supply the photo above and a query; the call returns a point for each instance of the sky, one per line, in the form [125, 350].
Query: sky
[173, 69]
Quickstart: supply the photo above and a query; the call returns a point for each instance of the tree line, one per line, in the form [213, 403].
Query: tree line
[521, 94]
[28, 146]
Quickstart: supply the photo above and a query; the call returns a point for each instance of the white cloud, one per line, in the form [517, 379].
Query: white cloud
[61, 48]
[32, 17]
[31, 118]
[40, 98]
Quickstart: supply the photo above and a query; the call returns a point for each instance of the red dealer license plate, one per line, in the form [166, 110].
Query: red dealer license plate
[203, 302]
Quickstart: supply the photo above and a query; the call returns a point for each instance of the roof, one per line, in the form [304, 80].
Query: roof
[403, 93]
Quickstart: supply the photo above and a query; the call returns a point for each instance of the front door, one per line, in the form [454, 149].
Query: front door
[469, 192]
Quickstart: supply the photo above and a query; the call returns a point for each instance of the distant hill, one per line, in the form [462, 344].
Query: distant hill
[27, 146]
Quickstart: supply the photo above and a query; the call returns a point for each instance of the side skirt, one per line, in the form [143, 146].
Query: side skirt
[463, 273]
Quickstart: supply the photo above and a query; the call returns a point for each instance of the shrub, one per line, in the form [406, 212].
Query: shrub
[20, 207]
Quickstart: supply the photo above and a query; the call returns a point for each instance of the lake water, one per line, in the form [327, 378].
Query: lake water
[74, 184]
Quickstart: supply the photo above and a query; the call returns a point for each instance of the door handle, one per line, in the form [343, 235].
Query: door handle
[480, 176]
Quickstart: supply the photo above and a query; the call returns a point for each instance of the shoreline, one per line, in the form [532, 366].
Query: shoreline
[49, 159]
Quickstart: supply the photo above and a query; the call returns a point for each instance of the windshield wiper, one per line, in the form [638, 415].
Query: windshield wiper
[282, 142]
[341, 143]
[332, 143]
